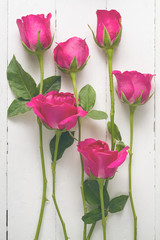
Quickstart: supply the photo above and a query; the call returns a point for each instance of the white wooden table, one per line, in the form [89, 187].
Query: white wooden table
[20, 168]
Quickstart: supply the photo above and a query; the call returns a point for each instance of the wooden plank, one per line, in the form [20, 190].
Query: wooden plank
[72, 20]
[135, 52]
[157, 120]
[25, 175]
[3, 119]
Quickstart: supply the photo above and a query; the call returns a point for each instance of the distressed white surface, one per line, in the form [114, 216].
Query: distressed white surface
[3, 119]
[139, 50]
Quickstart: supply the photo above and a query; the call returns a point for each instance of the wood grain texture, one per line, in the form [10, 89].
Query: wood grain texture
[157, 120]
[139, 50]
[3, 119]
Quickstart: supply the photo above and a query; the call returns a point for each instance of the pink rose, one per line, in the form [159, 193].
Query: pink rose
[98, 159]
[109, 21]
[57, 110]
[133, 85]
[32, 26]
[71, 56]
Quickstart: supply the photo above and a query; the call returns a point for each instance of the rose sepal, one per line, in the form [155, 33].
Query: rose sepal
[147, 99]
[117, 40]
[94, 37]
[73, 67]
[92, 177]
[137, 102]
[106, 39]
[39, 48]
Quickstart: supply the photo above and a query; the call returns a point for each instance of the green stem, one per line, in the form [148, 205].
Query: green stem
[110, 56]
[58, 135]
[91, 231]
[132, 109]
[40, 59]
[42, 159]
[101, 183]
[73, 76]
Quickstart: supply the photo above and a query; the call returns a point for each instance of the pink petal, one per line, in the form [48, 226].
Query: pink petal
[65, 52]
[22, 32]
[70, 122]
[121, 158]
[124, 84]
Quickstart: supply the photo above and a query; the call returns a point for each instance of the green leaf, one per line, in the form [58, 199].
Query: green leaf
[120, 145]
[87, 97]
[106, 197]
[66, 140]
[91, 192]
[50, 84]
[117, 134]
[117, 204]
[98, 115]
[93, 216]
[18, 106]
[21, 83]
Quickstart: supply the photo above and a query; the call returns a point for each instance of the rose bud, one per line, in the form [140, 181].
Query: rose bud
[72, 55]
[57, 110]
[133, 87]
[35, 32]
[98, 160]
[109, 29]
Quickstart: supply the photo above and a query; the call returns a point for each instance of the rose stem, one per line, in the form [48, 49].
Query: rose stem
[110, 56]
[91, 231]
[101, 183]
[40, 58]
[132, 109]
[94, 224]
[73, 77]
[58, 135]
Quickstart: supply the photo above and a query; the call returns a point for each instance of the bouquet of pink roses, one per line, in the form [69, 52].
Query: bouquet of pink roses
[62, 111]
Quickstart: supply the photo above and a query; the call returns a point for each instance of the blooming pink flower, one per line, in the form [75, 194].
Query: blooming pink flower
[98, 159]
[65, 52]
[57, 110]
[111, 21]
[133, 85]
[31, 26]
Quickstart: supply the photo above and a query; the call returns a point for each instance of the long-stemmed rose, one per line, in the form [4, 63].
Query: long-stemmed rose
[71, 57]
[58, 111]
[101, 163]
[36, 38]
[134, 89]
[108, 36]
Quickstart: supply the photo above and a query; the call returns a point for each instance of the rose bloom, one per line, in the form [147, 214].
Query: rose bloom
[32, 25]
[111, 20]
[133, 85]
[98, 160]
[65, 52]
[57, 110]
